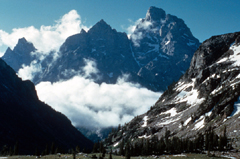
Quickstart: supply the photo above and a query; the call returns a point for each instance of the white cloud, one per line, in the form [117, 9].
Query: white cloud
[28, 72]
[90, 68]
[137, 36]
[89, 104]
[46, 38]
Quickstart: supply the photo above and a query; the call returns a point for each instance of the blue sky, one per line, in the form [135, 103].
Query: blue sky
[204, 17]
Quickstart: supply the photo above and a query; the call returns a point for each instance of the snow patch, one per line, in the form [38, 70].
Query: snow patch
[172, 112]
[236, 109]
[110, 75]
[145, 121]
[168, 121]
[208, 113]
[144, 136]
[191, 43]
[187, 121]
[190, 97]
[161, 55]
[180, 155]
[199, 123]
[155, 48]
[166, 43]
[235, 57]
[115, 144]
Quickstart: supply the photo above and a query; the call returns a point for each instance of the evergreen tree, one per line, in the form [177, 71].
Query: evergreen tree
[127, 150]
[57, 150]
[10, 151]
[52, 148]
[74, 154]
[95, 147]
[161, 146]
[110, 155]
[4, 150]
[78, 149]
[121, 151]
[36, 152]
[16, 149]
[46, 150]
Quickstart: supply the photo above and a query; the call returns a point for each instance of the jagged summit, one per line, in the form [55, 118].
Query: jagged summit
[83, 31]
[163, 46]
[100, 27]
[21, 54]
[155, 14]
[22, 40]
[23, 44]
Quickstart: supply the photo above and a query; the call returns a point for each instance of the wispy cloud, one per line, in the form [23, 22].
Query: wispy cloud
[28, 72]
[89, 104]
[139, 24]
[46, 38]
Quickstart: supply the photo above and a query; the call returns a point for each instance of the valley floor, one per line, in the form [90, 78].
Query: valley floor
[180, 156]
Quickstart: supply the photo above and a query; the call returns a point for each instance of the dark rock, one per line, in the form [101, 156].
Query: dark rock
[30, 122]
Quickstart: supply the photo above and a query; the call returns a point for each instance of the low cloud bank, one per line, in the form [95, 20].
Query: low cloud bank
[89, 104]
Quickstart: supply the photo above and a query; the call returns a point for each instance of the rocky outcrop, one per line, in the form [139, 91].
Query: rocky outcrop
[30, 122]
[207, 95]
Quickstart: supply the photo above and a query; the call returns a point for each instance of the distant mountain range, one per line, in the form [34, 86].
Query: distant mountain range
[158, 52]
[206, 97]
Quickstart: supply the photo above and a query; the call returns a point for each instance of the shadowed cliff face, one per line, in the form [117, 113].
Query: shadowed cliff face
[32, 123]
[207, 95]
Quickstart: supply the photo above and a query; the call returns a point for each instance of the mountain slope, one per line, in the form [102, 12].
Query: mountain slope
[205, 96]
[32, 123]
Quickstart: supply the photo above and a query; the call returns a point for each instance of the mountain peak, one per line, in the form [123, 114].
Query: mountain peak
[24, 45]
[83, 31]
[99, 27]
[102, 23]
[155, 14]
[22, 40]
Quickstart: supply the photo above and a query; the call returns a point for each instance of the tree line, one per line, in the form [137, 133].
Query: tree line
[48, 150]
[209, 141]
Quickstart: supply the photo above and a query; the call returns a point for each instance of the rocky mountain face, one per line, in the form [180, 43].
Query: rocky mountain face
[157, 53]
[163, 46]
[103, 46]
[20, 55]
[30, 122]
[206, 96]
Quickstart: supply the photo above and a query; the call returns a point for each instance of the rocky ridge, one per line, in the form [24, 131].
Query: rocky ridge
[30, 122]
[207, 95]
